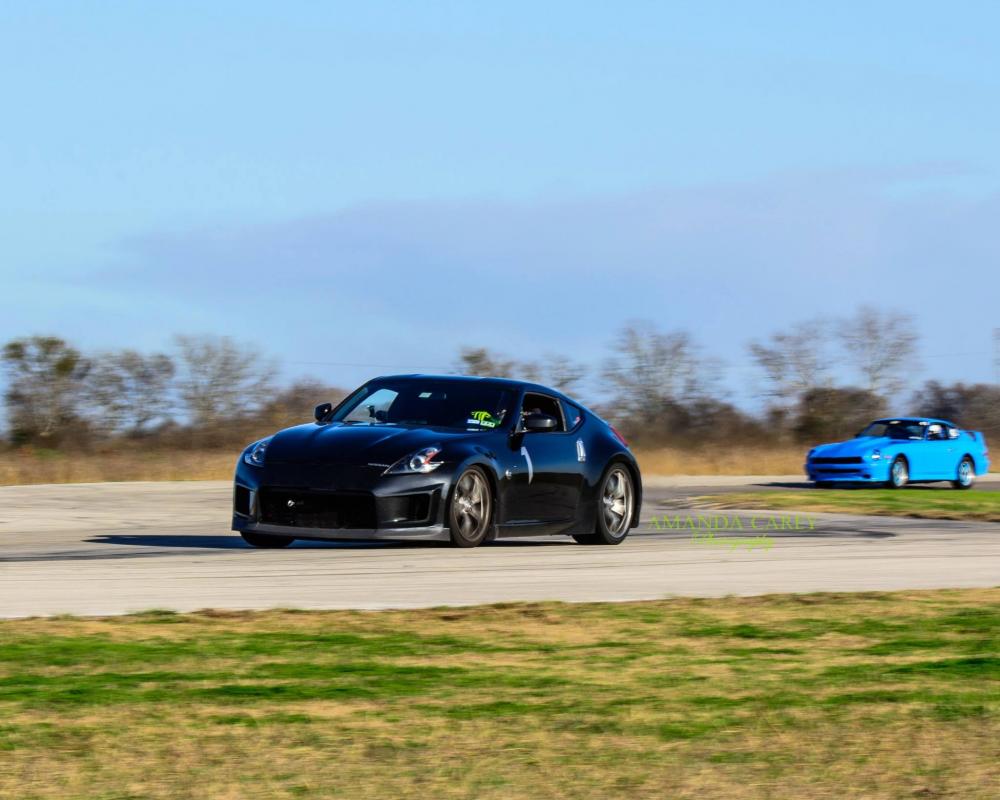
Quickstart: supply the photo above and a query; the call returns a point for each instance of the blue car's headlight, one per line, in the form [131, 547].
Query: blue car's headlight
[254, 456]
[421, 461]
[875, 455]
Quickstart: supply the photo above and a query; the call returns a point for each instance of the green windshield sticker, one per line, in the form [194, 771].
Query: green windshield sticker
[482, 418]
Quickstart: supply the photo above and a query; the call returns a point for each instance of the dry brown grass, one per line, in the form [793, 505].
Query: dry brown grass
[23, 467]
[722, 460]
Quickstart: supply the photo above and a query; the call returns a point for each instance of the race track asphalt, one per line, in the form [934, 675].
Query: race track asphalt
[95, 549]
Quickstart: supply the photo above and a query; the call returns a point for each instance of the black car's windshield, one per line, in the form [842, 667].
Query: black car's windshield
[894, 429]
[440, 403]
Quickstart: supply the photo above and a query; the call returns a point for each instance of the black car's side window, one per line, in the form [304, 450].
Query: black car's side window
[541, 404]
[572, 415]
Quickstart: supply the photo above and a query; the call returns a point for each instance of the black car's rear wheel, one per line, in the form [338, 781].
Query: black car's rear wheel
[615, 506]
[266, 540]
[470, 513]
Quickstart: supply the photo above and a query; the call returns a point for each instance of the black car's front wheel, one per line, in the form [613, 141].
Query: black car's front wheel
[615, 506]
[470, 513]
[266, 540]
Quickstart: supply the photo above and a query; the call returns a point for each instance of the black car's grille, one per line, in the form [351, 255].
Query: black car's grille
[307, 509]
[837, 460]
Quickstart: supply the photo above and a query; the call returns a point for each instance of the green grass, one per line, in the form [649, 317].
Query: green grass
[932, 503]
[812, 696]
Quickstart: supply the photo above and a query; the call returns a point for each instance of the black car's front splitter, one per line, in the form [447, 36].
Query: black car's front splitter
[432, 533]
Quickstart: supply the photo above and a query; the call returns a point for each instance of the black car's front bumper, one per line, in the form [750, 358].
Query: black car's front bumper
[324, 501]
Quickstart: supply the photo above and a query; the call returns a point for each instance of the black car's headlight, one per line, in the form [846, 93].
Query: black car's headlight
[254, 455]
[421, 461]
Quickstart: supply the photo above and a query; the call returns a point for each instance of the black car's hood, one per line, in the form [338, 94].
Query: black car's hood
[335, 443]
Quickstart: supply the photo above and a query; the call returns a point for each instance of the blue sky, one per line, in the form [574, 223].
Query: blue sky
[378, 184]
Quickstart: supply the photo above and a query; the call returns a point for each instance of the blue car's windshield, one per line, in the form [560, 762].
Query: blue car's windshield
[440, 403]
[894, 429]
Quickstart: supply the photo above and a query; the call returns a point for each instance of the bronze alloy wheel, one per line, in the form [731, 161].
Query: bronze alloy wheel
[471, 512]
[617, 501]
[615, 507]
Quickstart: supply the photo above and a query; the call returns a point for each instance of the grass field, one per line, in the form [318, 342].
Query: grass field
[814, 696]
[49, 466]
[914, 501]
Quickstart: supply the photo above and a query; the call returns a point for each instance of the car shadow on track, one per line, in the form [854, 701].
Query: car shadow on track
[187, 541]
[936, 486]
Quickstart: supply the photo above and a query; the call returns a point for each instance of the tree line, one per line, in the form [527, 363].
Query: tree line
[659, 387]
[208, 391]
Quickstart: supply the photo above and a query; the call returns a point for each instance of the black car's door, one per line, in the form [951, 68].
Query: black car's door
[546, 478]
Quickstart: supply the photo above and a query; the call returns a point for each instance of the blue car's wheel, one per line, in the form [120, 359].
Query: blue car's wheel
[966, 474]
[899, 473]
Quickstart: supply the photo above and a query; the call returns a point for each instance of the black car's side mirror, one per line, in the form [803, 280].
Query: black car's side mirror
[322, 410]
[540, 422]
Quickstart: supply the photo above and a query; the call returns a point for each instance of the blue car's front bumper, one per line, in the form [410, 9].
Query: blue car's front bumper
[860, 470]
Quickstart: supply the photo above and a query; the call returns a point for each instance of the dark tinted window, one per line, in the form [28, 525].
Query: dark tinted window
[543, 404]
[572, 415]
[437, 403]
[895, 429]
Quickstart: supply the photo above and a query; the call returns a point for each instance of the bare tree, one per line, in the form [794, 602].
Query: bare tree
[220, 380]
[553, 370]
[480, 361]
[562, 373]
[653, 370]
[44, 388]
[829, 413]
[295, 404]
[974, 406]
[128, 391]
[794, 361]
[881, 346]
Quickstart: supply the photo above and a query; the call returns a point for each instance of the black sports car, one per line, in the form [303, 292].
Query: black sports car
[442, 458]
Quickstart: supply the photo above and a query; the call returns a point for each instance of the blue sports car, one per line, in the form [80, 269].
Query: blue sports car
[894, 452]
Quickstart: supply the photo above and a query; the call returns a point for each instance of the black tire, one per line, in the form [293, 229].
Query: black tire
[615, 506]
[587, 538]
[966, 474]
[899, 473]
[470, 510]
[266, 541]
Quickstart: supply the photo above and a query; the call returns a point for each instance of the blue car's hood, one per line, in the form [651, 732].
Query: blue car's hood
[335, 443]
[853, 447]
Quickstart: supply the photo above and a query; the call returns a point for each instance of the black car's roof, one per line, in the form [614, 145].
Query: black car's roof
[509, 382]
